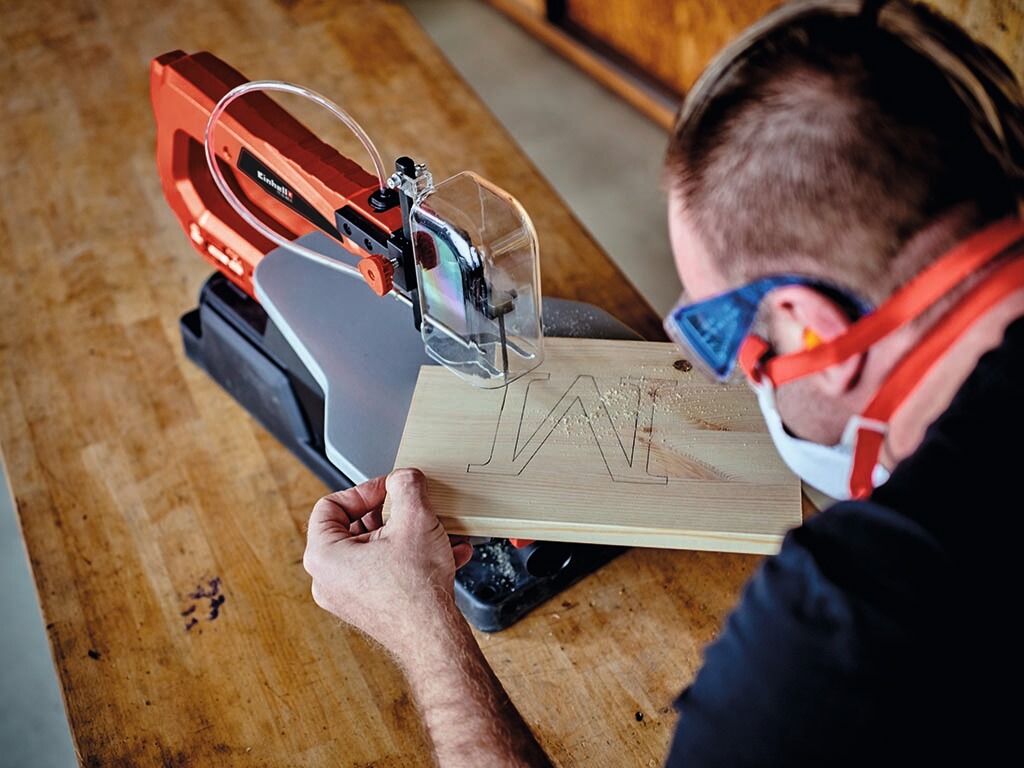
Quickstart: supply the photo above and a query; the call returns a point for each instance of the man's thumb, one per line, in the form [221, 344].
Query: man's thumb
[407, 496]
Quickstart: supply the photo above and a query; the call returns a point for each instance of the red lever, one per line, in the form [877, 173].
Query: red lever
[378, 272]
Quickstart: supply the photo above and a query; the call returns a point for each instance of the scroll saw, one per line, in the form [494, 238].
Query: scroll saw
[324, 361]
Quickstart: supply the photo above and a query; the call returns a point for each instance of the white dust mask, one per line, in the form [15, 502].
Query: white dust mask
[850, 468]
[827, 468]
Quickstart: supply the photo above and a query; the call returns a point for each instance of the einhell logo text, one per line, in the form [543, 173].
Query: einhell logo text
[275, 185]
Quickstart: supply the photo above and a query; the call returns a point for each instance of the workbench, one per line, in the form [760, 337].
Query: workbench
[165, 528]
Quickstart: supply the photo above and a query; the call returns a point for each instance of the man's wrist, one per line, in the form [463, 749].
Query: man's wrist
[433, 628]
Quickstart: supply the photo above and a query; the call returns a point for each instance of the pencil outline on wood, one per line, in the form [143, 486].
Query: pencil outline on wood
[578, 392]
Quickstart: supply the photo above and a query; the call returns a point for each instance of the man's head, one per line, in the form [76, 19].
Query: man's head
[834, 151]
[828, 136]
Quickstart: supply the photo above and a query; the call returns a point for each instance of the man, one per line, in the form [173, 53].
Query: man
[843, 204]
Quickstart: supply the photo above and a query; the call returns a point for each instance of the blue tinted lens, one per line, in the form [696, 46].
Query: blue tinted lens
[714, 329]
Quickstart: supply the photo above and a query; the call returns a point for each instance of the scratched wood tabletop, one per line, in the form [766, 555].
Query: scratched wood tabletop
[164, 526]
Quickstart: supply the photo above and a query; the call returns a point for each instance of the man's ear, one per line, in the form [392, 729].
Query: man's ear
[801, 318]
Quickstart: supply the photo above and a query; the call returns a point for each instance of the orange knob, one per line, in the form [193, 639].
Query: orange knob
[378, 272]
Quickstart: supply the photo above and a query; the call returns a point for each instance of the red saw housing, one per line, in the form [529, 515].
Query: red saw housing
[289, 179]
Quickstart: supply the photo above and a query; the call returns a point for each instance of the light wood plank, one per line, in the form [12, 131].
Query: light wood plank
[606, 442]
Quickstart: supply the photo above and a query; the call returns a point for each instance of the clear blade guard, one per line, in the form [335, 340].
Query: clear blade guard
[478, 275]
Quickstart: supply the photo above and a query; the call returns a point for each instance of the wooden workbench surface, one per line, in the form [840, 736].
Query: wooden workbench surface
[165, 527]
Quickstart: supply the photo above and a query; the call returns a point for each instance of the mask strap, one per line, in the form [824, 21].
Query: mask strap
[916, 365]
[902, 307]
[752, 351]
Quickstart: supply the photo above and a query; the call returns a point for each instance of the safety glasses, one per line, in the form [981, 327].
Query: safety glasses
[711, 332]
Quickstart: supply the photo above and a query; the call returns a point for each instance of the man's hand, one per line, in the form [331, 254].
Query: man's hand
[383, 579]
[396, 582]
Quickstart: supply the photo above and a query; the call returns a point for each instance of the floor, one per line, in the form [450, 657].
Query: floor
[602, 157]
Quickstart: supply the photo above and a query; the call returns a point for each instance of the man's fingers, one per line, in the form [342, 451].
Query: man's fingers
[462, 552]
[367, 523]
[328, 518]
[337, 511]
[362, 498]
[374, 520]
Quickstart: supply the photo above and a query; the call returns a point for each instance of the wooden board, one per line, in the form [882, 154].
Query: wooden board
[606, 442]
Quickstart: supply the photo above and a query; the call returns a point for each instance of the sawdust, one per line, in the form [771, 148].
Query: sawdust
[499, 559]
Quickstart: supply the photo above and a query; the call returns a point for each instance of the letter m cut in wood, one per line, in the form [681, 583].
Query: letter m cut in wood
[620, 420]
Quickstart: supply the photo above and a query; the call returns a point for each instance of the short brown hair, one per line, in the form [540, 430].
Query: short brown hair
[831, 132]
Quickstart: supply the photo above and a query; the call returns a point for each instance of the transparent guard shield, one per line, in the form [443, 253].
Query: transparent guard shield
[478, 273]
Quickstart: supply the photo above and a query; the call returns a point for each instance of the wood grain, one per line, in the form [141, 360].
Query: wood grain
[163, 525]
[607, 442]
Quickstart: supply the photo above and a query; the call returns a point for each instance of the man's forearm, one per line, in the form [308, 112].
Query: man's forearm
[468, 715]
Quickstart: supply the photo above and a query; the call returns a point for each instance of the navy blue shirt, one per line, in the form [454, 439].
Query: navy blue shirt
[883, 632]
